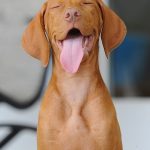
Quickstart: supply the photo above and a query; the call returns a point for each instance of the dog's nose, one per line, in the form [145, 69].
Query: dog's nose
[72, 14]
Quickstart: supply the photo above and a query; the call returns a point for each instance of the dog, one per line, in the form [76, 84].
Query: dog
[77, 112]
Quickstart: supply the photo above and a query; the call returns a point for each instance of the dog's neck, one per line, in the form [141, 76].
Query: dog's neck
[76, 87]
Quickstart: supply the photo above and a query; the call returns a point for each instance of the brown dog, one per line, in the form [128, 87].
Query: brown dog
[77, 112]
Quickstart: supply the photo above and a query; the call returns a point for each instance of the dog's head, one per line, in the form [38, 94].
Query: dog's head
[72, 28]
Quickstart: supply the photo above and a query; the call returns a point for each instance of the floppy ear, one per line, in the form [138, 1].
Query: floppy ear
[34, 39]
[114, 29]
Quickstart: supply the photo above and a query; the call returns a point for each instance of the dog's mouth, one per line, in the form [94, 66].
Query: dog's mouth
[73, 48]
[75, 33]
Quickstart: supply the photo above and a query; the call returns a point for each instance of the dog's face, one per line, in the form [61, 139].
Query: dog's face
[63, 16]
[72, 28]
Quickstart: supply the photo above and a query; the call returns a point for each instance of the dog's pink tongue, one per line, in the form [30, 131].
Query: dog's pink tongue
[72, 54]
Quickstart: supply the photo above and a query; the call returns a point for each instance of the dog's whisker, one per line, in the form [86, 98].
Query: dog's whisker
[59, 44]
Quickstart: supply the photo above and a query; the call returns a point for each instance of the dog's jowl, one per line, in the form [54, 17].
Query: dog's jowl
[77, 112]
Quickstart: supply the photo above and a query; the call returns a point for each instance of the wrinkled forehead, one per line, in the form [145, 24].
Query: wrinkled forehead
[52, 2]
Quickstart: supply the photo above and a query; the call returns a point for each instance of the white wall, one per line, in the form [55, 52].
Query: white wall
[134, 118]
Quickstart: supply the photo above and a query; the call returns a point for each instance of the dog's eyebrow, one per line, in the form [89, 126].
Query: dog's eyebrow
[55, 3]
[88, 1]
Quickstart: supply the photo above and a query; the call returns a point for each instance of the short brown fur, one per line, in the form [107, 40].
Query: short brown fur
[77, 112]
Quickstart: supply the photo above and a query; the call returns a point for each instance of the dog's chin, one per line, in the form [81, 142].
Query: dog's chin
[74, 33]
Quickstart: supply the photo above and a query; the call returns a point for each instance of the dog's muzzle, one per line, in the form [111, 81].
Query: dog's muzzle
[73, 48]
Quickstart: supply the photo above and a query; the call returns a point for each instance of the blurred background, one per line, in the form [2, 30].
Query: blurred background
[23, 80]
[130, 70]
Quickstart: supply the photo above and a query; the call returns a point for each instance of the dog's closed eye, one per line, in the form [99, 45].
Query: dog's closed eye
[87, 3]
[55, 6]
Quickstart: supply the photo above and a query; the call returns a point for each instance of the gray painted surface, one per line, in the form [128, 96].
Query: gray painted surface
[134, 13]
